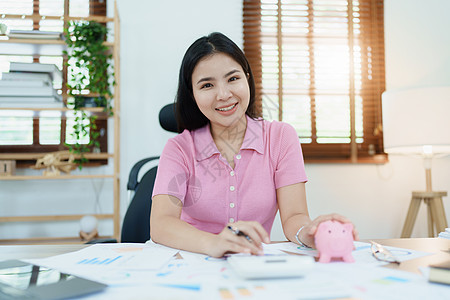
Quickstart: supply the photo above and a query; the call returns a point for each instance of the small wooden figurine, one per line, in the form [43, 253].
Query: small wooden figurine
[55, 162]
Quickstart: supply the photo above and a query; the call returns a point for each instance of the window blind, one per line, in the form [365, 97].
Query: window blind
[319, 65]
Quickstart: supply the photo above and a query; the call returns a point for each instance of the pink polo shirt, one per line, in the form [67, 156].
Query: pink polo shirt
[192, 169]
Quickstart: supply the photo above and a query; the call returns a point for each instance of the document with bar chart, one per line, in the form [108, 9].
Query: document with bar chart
[98, 261]
[117, 261]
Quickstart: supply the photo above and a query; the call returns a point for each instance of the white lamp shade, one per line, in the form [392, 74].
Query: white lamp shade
[414, 118]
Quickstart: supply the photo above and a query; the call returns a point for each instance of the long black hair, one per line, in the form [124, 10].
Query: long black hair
[188, 114]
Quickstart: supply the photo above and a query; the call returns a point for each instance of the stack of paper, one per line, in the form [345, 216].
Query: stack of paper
[30, 85]
[445, 234]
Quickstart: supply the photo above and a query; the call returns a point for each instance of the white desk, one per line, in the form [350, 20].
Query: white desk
[36, 251]
[437, 246]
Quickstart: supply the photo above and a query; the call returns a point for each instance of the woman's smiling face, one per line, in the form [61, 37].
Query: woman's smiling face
[221, 90]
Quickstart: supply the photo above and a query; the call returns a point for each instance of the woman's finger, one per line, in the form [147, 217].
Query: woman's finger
[256, 231]
[241, 245]
[253, 237]
[238, 248]
[253, 229]
[331, 217]
[250, 234]
[264, 236]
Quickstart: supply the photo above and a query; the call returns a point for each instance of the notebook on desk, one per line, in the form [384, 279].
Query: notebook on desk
[21, 280]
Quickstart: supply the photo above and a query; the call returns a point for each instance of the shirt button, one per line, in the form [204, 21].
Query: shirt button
[238, 156]
[232, 173]
[231, 220]
[231, 205]
[232, 188]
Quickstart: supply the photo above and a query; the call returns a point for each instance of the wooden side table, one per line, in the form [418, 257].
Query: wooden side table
[435, 211]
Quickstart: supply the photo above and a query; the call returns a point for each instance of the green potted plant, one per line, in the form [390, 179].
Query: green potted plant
[3, 29]
[90, 69]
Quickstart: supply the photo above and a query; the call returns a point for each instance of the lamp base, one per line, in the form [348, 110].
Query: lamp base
[85, 236]
[435, 211]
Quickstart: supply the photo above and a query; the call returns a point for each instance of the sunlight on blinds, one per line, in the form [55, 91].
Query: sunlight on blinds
[51, 7]
[16, 127]
[51, 25]
[313, 51]
[79, 8]
[50, 127]
[18, 24]
[319, 65]
[17, 7]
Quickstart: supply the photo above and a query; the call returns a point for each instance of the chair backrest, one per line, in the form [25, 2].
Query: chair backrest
[167, 118]
[136, 223]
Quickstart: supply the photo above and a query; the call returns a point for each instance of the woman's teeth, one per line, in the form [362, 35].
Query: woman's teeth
[227, 108]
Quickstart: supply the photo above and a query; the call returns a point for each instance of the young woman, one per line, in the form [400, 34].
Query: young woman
[228, 171]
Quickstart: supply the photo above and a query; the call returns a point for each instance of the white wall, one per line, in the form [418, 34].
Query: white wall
[417, 43]
[153, 41]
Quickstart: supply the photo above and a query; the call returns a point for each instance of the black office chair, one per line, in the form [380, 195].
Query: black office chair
[136, 223]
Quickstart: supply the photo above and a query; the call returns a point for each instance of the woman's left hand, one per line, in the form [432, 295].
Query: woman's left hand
[306, 236]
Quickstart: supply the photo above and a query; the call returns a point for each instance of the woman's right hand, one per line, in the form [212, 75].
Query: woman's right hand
[309, 230]
[229, 242]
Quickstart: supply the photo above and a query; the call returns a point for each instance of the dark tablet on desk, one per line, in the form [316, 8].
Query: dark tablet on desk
[21, 280]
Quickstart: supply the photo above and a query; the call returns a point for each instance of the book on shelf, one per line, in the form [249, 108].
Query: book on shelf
[31, 102]
[23, 83]
[445, 234]
[34, 34]
[31, 99]
[23, 76]
[51, 69]
[53, 104]
[28, 91]
[440, 273]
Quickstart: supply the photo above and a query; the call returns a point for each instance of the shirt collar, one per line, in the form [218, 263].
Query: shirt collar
[204, 143]
[205, 146]
[253, 138]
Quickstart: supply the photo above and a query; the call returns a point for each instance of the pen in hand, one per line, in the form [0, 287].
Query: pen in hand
[239, 233]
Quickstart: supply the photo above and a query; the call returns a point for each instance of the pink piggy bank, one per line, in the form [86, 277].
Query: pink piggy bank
[334, 240]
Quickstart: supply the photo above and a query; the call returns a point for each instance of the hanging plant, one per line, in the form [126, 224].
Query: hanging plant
[90, 63]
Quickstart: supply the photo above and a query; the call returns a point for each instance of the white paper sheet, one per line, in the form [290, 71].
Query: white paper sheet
[111, 263]
[150, 271]
[362, 253]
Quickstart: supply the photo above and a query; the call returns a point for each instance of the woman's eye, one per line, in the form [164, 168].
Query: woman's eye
[206, 85]
[233, 78]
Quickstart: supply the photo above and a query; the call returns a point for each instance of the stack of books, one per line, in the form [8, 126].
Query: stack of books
[445, 234]
[30, 85]
[440, 273]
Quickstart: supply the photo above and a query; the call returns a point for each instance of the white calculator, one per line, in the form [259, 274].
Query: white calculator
[271, 266]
